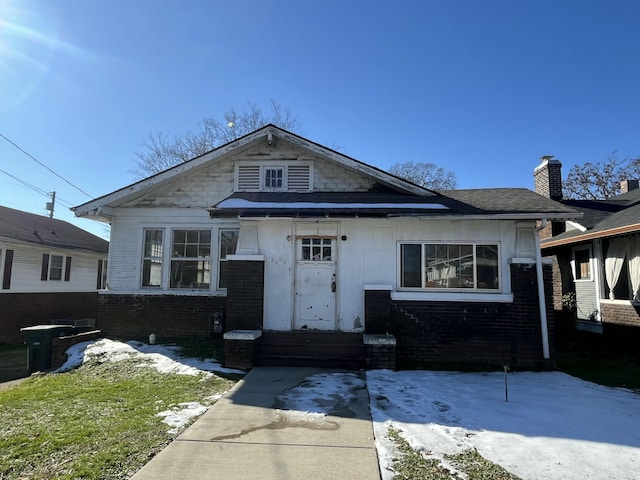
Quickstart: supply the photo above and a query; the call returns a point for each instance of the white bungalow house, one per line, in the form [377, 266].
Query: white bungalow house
[297, 247]
[49, 269]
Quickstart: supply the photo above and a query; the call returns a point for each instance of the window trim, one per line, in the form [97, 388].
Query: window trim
[198, 259]
[423, 288]
[166, 258]
[47, 265]
[145, 258]
[574, 265]
[264, 169]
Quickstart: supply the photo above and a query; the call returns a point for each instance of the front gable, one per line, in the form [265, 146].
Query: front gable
[243, 165]
[286, 168]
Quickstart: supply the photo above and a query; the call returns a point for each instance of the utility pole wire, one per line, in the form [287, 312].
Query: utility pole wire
[36, 189]
[43, 165]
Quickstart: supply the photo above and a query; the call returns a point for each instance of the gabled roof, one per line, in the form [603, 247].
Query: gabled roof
[618, 215]
[99, 208]
[505, 203]
[35, 229]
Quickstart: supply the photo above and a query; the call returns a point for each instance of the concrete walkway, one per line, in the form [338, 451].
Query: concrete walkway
[246, 436]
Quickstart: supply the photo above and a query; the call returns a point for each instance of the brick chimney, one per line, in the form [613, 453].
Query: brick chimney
[547, 178]
[628, 185]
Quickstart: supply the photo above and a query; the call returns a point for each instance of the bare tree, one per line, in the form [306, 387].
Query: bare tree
[600, 180]
[427, 175]
[162, 151]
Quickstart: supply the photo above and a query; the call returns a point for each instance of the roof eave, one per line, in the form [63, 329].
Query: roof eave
[592, 236]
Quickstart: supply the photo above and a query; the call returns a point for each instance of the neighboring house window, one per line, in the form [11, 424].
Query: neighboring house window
[101, 282]
[582, 263]
[152, 258]
[6, 262]
[191, 259]
[622, 268]
[55, 267]
[449, 266]
[228, 244]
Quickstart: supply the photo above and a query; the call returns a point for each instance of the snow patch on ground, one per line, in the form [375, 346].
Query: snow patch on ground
[164, 358]
[181, 415]
[554, 426]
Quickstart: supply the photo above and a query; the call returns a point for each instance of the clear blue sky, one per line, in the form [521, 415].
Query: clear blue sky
[481, 88]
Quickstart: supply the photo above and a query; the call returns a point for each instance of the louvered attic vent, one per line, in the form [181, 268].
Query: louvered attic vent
[298, 178]
[248, 177]
[254, 178]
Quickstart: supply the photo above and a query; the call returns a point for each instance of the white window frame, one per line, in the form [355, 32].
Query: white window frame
[574, 265]
[264, 171]
[161, 257]
[425, 288]
[167, 257]
[198, 259]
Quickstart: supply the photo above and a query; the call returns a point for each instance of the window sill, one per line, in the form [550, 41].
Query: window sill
[158, 292]
[620, 301]
[453, 297]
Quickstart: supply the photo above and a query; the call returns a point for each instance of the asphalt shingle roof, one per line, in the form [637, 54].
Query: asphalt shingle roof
[383, 203]
[40, 230]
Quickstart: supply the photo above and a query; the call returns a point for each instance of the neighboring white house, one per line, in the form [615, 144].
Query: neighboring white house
[286, 235]
[48, 269]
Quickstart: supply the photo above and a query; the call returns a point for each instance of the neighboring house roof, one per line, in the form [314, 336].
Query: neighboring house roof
[392, 195]
[495, 202]
[601, 218]
[26, 227]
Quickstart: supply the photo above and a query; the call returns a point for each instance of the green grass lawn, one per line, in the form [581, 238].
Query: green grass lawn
[13, 362]
[96, 422]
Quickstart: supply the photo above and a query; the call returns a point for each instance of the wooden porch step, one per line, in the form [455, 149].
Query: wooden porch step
[311, 349]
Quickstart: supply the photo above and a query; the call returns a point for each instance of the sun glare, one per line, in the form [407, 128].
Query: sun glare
[29, 44]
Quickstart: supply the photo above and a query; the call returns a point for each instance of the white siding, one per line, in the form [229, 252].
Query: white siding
[27, 267]
[125, 258]
[368, 255]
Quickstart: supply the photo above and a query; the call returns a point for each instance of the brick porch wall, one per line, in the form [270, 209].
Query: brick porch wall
[19, 310]
[483, 333]
[245, 295]
[620, 314]
[137, 316]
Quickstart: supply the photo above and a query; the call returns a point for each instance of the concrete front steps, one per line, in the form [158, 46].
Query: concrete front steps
[311, 349]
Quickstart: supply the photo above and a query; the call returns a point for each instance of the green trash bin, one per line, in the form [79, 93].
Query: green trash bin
[38, 340]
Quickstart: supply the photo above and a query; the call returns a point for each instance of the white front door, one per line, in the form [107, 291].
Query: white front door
[315, 284]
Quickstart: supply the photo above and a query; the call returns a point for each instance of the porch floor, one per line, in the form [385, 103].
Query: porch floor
[311, 349]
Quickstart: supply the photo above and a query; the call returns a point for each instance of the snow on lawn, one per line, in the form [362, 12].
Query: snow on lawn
[554, 426]
[164, 358]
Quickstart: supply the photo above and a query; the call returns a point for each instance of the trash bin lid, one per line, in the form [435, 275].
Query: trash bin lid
[44, 327]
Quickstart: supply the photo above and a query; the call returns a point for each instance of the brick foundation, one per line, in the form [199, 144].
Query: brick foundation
[465, 332]
[169, 316]
[21, 310]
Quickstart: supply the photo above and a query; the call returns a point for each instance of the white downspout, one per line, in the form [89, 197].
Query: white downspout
[541, 299]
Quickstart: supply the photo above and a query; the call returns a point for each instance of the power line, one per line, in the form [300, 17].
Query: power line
[42, 164]
[35, 189]
[26, 184]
